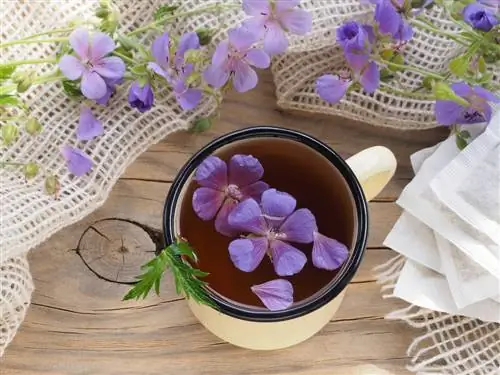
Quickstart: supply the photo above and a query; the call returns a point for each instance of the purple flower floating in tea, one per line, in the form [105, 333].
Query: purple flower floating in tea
[223, 187]
[449, 112]
[272, 20]
[275, 294]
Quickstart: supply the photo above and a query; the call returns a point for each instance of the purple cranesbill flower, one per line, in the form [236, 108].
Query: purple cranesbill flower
[271, 20]
[390, 20]
[328, 253]
[77, 161]
[89, 126]
[356, 40]
[222, 188]
[276, 294]
[480, 17]
[449, 112]
[174, 69]
[272, 226]
[234, 58]
[141, 97]
[332, 88]
[110, 90]
[92, 63]
[493, 5]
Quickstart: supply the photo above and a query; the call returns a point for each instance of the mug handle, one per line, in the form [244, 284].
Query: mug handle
[374, 168]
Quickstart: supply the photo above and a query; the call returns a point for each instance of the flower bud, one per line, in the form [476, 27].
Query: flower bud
[201, 125]
[102, 13]
[52, 185]
[30, 170]
[204, 35]
[33, 126]
[9, 133]
[23, 80]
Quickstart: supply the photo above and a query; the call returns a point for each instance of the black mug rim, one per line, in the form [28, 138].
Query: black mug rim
[361, 207]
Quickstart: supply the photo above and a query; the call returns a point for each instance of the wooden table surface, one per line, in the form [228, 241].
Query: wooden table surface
[77, 323]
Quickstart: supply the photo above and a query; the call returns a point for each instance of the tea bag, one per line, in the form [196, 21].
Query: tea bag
[470, 184]
[423, 287]
[468, 282]
[420, 201]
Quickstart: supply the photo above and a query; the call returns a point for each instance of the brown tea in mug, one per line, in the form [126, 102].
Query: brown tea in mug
[291, 167]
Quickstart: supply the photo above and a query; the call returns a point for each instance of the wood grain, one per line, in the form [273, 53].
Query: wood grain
[78, 324]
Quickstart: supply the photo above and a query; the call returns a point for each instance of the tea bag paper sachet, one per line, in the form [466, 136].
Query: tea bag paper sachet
[423, 287]
[420, 201]
[470, 184]
[468, 282]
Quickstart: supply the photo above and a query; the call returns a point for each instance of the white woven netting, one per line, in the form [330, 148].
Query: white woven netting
[28, 216]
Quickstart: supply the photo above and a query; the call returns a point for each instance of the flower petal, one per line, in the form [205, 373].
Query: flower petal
[246, 254]
[216, 75]
[284, 5]
[356, 58]
[188, 41]
[77, 161]
[221, 53]
[486, 95]
[221, 221]
[275, 40]
[287, 260]
[89, 127]
[258, 58]
[101, 45]
[299, 226]
[110, 67]
[241, 38]
[158, 70]
[93, 86]
[370, 78]
[327, 253]
[297, 21]
[189, 99]
[405, 32]
[244, 170]
[71, 67]
[212, 173]
[462, 89]
[160, 49]
[331, 88]
[256, 25]
[387, 17]
[256, 7]
[254, 190]
[276, 295]
[206, 202]
[447, 112]
[79, 41]
[245, 78]
[247, 217]
[277, 204]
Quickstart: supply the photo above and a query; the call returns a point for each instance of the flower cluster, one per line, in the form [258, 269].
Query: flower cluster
[374, 52]
[95, 59]
[265, 222]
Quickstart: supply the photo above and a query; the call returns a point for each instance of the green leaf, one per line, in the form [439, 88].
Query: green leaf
[465, 134]
[201, 125]
[72, 89]
[481, 65]
[460, 142]
[204, 35]
[129, 43]
[459, 65]
[397, 59]
[6, 71]
[164, 10]
[139, 70]
[9, 100]
[386, 75]
[444, 92]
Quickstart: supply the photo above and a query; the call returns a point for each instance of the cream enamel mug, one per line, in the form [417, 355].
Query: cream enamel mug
[365, 173]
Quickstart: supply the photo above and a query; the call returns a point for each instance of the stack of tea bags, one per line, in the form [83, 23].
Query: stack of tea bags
[450, 228]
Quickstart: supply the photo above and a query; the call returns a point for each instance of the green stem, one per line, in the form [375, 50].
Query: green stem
[124, 57]
[209, 8]
[424, 24]
[49, 32]
[409, 67]
[4, 164]
[408, 94]
[54, 76]
[30, 62]
[32, 41]
[13, 118]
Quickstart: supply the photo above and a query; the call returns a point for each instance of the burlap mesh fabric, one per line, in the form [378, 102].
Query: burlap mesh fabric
[28, 216]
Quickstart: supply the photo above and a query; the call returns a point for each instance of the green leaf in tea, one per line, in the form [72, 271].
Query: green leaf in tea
[175, 257]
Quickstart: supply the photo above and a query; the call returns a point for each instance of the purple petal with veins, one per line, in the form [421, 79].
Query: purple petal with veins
[275, 294]
[287, 260]
[247, 217]
[246, 254]
[254, 190]
[212, 173]
[244, 170]
[299, 226]
[277, 204]
[89, 127]
[207, 202]
[327, 253]
[77, 161]
[221, 221]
